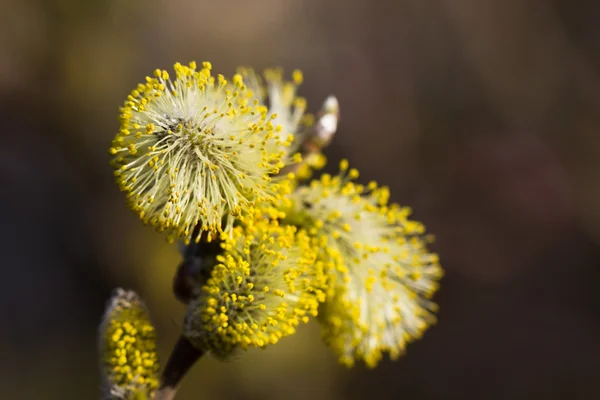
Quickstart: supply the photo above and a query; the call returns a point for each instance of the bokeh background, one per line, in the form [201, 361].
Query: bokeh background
[484, 116]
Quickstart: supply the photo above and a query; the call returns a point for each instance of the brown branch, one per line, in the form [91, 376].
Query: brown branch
[183, 357]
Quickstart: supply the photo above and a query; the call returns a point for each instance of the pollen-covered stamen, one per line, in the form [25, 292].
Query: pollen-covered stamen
[381, 275]
[264, 285]
[195, 151]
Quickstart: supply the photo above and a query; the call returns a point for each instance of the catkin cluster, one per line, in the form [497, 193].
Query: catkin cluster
[205, 158]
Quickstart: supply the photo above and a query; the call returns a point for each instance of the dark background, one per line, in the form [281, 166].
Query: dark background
[481, 115]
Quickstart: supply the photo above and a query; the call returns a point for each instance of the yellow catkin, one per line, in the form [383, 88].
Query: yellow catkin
[194, 151]
[380, 274]
[266, 282]
[128, 348]
[286, 109]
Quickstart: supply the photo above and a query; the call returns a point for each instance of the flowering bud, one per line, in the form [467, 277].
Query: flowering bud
[265, 284]
[128, 349]
[195, 151]
[381, 276]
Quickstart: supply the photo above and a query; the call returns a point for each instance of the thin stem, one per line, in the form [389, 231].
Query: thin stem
[182, 358]
[167, 393]
[199, 258]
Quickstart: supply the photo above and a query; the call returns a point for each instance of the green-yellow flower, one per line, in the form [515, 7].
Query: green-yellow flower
[265, 283]
[285, 106]
[307, 136]
[381, 275]
[196, 151]
[128, 349]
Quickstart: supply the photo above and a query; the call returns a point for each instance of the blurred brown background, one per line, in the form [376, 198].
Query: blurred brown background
[481, 115]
